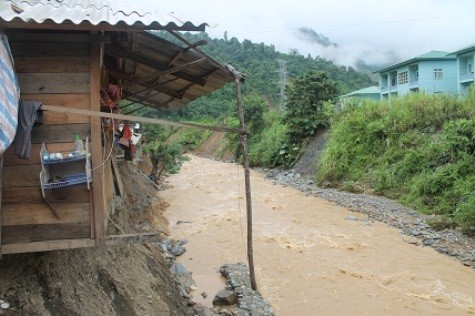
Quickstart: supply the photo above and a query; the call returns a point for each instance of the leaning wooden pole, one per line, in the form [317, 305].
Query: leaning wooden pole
[247, 181]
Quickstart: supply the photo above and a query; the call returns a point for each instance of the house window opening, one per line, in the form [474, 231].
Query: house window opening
[438, 73]
[470, 68]
[402, 77]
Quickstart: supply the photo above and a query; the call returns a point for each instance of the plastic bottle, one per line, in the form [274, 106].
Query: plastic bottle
[78, 144]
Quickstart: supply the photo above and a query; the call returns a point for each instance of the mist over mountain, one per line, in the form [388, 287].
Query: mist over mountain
[311, 36]
[359, 56]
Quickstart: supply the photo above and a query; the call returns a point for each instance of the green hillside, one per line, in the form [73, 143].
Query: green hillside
[260, 62]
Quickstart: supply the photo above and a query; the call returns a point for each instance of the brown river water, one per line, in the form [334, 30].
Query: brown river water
[312, 257]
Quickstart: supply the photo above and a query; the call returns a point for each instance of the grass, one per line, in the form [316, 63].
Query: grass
[419, 149]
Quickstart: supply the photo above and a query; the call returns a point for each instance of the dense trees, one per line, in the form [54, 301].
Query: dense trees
[260, 62]
[307, 96]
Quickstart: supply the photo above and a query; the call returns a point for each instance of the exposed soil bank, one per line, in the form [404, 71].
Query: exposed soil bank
[312, 256]
[116, 280]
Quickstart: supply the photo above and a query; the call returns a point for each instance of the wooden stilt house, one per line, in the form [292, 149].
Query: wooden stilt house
[64, 52]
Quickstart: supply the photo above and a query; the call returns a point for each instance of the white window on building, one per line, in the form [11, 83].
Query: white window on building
[438, 73]
[402, 77]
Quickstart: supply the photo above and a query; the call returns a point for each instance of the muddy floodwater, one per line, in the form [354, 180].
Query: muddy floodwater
[312, 257]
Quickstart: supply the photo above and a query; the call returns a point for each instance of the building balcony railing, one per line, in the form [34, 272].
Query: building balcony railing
[467, 77]
[413, 83]
[384, 89]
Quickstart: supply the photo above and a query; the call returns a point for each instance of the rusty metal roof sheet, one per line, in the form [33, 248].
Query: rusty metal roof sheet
[161, 74]
[93, 12]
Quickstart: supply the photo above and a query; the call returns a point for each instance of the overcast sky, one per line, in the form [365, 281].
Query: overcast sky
[375, 30]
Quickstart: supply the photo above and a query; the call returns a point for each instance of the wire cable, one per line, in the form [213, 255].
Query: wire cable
[110, 153]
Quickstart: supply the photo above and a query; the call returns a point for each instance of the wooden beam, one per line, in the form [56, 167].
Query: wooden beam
[128, 95]
[144, 238]
[140, 119]
[118, 51]
[150, 86]
[155, 75]
[47, 245]
[99, 209]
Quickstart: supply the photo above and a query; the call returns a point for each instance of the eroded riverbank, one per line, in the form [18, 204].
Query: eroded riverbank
[312, 256]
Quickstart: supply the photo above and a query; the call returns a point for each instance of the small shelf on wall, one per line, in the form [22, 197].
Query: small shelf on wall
[60, 170]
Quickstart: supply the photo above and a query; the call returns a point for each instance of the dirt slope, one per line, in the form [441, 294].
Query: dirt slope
[214, 147]
[118, 280]
[306, 165]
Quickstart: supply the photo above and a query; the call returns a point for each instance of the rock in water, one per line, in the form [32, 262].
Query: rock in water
[224, 298]
[178, 250]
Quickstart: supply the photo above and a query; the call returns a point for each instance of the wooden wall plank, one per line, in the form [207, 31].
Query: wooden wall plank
[31, 83]
[29, 175]
[30, 49]
[51, 64]
[34, 233]
[32, 195]
[79, 100]
[22, 175]
[37, 214]
[48, 245]
[61, 133]
[11, 159]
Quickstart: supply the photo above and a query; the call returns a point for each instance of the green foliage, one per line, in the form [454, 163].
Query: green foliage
[168, 155]
[306, 107]
[260, 62]
[270, 148]
[419, 149]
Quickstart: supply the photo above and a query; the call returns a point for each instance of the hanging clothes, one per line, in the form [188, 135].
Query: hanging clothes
[125, 142]
[9, 95]
[26, 120]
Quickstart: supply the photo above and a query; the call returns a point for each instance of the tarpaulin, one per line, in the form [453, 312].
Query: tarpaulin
[9, 95]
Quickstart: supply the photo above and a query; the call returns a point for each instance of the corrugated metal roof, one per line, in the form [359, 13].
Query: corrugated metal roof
[432, 55]
[369, 90]
[93, 12]
[161, 74]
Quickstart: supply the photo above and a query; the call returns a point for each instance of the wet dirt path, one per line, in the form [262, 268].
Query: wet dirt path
[312, 257]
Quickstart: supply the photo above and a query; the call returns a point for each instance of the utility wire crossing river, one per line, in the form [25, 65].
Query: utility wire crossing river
[312, 257]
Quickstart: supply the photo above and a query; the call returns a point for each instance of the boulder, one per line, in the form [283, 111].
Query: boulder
[225, 298]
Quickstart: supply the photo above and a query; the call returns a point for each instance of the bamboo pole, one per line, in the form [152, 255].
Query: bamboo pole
[247, 182]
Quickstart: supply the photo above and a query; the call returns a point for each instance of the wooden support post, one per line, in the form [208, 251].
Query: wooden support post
[99, 208]
[247, 181]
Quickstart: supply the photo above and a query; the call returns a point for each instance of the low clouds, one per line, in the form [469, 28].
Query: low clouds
[376, 31]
